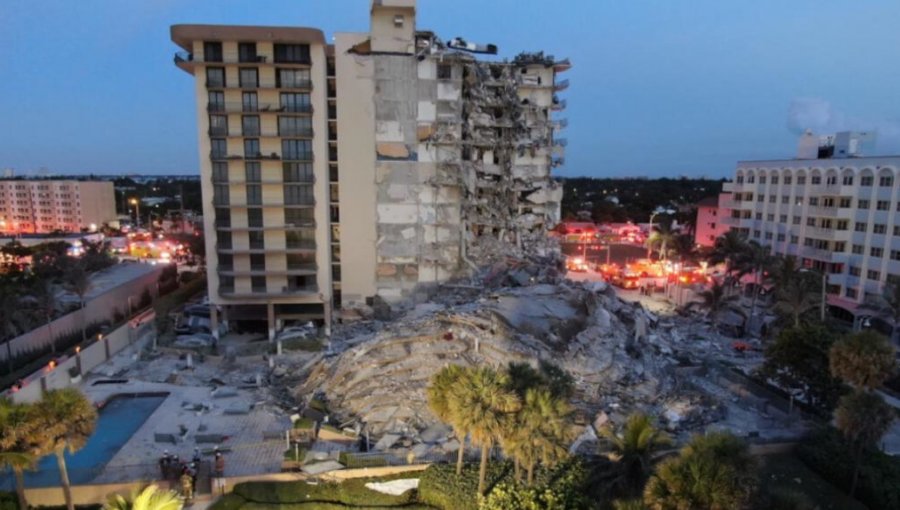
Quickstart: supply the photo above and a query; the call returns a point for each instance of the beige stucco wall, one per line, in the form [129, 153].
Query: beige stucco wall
[356, 161]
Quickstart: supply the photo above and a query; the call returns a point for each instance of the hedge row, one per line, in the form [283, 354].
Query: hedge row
[828, 453]
[350, 493]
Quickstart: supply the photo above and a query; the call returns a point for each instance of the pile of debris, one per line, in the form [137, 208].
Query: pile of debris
[620, 358]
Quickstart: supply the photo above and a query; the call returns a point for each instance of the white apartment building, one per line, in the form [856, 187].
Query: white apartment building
[43, 206]
[840, 215]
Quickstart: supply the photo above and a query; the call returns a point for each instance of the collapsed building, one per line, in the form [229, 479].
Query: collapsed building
[368, 170]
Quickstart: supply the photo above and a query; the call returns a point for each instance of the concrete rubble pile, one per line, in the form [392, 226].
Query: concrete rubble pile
[622, 361]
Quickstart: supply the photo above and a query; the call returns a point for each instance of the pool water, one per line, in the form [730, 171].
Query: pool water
[118, 420]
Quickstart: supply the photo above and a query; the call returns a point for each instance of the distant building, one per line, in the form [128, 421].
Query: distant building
[709, 226]
[838, 212]
[43, 206]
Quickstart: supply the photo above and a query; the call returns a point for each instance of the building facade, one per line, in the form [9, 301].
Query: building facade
[839, 215]
[44, 206]
[369, 170]
[710, 214]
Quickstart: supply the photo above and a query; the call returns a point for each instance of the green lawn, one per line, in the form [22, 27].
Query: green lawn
[782, 471]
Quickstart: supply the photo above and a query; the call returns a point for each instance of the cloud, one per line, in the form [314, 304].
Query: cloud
[822, 118]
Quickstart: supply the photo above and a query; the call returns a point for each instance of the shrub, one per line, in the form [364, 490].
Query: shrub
[350, 492]
[8, 501]
[230, 501]
[828, 453]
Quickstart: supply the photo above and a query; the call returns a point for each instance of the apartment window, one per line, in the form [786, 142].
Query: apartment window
[785, 199]
[857, 249]
[831, 181]
[828, 202]
[826, 223]
[866, 180]
[768, 236]
[760, 198]
[257, 240]
[751, 179]
[850, 292]
[292, 78]
[250, 102]
[215, 77]
[872, 274]
[877, 252]
[879, 228]
[770, 217]
[897, 230]
[212, 52]
[219, 171]
[762, 179]
[254, 194]
[223, 239]
[820, 244]
[855, 271]
[895, 254]
[258, 284]
[756, 234]
[795, 220]
[883, 205]
[216, 101]
[782, 218]
[295, 102]
[444, 71]
[798, 201]
[813, 200]
[294, 126]
[774, 179]
[299, 217]
[816, 179]
[219, 148]
[862, 204]
[860, 226]
[848, 180]
[787, 179]
[223, 217]
[249, 78]
[740, 179]
[251, 148]
[810, 222]
[298, 195]
[807, 241]
[297, 172]
[257, 262]
[296, 150]
[844, 203]
[255, 217]
[885, 181]
[772, 199]
[840, 247]
[300, 239]
[801, 179]
[247, 52]
[218, 125]
[758, 216]
[842, 224]
[226, 262]
[292, 53]
[781, 238]
[250, 125]
[252, 171]
[300, 260]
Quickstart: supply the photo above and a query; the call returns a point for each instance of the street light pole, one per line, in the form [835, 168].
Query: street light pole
[137, 211]
[650, 233]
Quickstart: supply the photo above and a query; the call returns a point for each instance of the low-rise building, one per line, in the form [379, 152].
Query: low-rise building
[709, 225]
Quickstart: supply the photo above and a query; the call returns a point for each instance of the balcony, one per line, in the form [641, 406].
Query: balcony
[235, 107]
[188, 59]
[562, 65]
[305, 270]
[218, 156]
[561, 85]
[236, 133]
[558, 104]
[729, 187]
[828, 212]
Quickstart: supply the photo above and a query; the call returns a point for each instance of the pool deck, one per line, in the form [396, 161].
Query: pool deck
[137, 459]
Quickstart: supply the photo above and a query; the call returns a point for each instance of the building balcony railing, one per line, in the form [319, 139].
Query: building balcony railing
[305, 85]
[730, 186]
[311, 225]
[561, 85]
[188, 58]
[235, 107]
[305, 270]
[558, 104]
[237, 133]
[218, 156]
[829, 212]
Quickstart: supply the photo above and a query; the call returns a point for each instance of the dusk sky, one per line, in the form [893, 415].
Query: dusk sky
[658, 88]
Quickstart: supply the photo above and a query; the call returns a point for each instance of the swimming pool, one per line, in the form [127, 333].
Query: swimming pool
[119, 418]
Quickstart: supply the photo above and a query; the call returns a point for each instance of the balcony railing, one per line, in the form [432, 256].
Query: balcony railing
[558, 104]
[298, 156]
[185, 57]
[301, 245]
[218, 156]
[561, 85]
[235, 107]
[237, 133]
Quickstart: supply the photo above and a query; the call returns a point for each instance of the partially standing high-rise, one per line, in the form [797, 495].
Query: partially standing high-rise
[370, 170]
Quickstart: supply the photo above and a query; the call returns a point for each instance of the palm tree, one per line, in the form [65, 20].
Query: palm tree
[633, 448]
[715, 299]
[445, 386]
[483, 404]
[756, 260]
[886, 306]
[16, 451]
[863, 360]
[9, 311]
[714, 472]
[45, 304]
[729, 248]
[683, 247]
[796, 292]
[662, 237]
[150, 498]
[538, 431]
[68, 419]
[78, 281]
[863, 417]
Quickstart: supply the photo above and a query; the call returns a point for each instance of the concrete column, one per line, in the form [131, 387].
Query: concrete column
[326, 305]
[270, 313]
[225, 318]
[214, 320]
